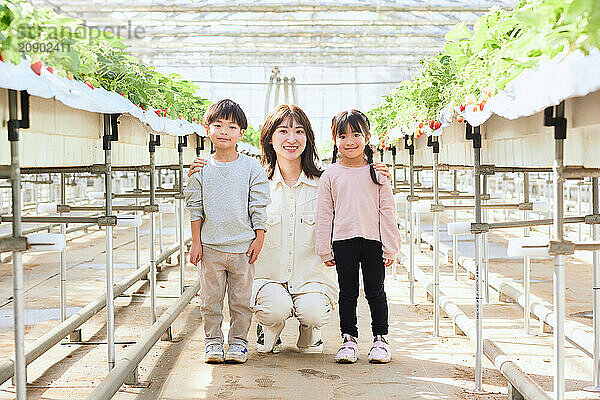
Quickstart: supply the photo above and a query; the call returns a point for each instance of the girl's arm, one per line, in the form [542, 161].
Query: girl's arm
[388, 227]
[324, 222]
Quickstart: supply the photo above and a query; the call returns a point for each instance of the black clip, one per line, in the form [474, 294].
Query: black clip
[393, 150]
[411, 147]
[199, 144]
[154, 141]
[182, 143]
[111, 130]
[473, 134]
[15, 124]
[114, 127]
[555, 116]
[434, 144]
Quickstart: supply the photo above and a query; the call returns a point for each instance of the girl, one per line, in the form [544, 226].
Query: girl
[356, 225]
[290, 279]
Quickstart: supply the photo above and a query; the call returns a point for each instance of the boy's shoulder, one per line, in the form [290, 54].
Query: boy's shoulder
[253, 164]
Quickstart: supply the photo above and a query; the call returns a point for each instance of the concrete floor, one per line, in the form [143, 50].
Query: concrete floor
[423, 367]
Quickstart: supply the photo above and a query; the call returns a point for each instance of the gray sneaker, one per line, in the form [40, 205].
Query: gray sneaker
[214, 353]
[236, 353]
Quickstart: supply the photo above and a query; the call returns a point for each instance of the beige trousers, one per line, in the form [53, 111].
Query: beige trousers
[274, 305]
[219, 272]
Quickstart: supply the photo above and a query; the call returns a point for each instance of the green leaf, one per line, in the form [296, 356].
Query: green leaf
[453, 49]
[460, 31]
[479, 37]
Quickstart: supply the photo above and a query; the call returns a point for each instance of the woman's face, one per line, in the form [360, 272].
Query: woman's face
[289, 139]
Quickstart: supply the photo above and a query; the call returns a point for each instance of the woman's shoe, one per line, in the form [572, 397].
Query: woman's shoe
[348, 353]
[380, 352]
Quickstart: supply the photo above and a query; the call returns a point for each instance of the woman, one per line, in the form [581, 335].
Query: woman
[290, 279]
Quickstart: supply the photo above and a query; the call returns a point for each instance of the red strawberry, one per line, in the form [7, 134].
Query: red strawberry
[89, 84]
[37, 67]
[462, 107]
[437, 125]
[475, 109]
[157, 112]
[481, 105]
[50, 69]
[459, 119]
[1, 59]
[421, 125]
[431, 124]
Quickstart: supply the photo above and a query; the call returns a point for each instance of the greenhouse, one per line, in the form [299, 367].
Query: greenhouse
[188, 191]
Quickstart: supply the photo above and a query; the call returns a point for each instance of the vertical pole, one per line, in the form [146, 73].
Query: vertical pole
[484, 239]
[180, 223]
[559, 276]
[17, 256]
[579, 226]
[436, 245]
[110, 300]
[596, 292]
[411, 223]
[394, 180]
[526, 261]
[478, 305]
[455, 218]
[294, 96]
[137, 229]
[160, 218]
[152, 255]
[63, 256]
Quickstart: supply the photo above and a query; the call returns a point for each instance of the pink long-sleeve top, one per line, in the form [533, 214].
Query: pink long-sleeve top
[351, 205]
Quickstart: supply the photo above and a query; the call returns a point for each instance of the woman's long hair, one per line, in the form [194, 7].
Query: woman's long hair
[358, 122]
[309, 155]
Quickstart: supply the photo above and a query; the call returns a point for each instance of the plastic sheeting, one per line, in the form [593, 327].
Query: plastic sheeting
[535, 89]
[78, 95]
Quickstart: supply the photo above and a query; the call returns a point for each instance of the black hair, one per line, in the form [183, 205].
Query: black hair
[226, 109]
[358, 122]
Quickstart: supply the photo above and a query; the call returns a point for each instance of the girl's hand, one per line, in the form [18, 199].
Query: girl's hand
[330, 263]
[197, 164]
[388, 261]
[381, 167]
[195, 253]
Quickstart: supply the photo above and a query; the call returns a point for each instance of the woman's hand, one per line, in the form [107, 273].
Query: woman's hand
[197, 164]
[388, 261]
[330, 263]
[196, 253]
[381, 167]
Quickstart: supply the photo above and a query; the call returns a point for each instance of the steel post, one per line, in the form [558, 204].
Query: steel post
[596, 293]
[559, 276]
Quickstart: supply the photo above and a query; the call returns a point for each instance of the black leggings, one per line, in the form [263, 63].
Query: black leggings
[348, 254]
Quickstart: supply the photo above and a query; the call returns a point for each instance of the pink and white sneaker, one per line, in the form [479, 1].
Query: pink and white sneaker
[348, 353]
[380, 352]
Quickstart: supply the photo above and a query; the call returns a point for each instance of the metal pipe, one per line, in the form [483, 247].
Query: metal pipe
[181, 228]
[534, 222]
[62, 330]
[478, 305]
[152, 242]
[111, 384]
[559, 276]
[411, 219]
[137, 229]
[526, 261]
[509, 368]
[596, 293]
[17, 256]
[110, 302]
[268, 95]
[63, 256]
[578, 172]
[51, 220]
[394, 180]
[455, 237]
[436, 249]
[294, 95]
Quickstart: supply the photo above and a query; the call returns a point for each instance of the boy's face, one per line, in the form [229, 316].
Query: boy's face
[224, 133]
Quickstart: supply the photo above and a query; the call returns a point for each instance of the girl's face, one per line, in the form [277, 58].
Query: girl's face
[351, 144]
[289, 139]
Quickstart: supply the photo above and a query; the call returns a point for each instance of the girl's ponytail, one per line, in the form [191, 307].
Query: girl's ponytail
[334, 154]
[369, 156]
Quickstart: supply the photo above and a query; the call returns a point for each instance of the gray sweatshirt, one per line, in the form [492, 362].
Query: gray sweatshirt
[230, 198]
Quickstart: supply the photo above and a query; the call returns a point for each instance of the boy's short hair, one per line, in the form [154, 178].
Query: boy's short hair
[226, 109]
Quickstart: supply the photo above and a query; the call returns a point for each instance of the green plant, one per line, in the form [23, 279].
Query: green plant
[252, 136]
[97, 58]
[475, 65]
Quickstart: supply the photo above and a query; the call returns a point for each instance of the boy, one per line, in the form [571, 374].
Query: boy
[227, 201]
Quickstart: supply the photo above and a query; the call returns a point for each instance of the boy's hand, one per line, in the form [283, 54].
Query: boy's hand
[197, 165]
[388, 261]
[196, 253]
[256, 246]
[330, 263]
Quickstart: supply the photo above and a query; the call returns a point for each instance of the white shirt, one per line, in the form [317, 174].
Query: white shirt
[288, 255]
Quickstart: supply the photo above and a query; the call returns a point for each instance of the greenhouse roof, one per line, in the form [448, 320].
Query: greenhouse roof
[278, 33]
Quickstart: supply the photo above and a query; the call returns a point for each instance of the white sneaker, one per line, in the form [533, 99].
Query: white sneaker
[266, 336]
[214, 353]
[316, 347]
[236, 353]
